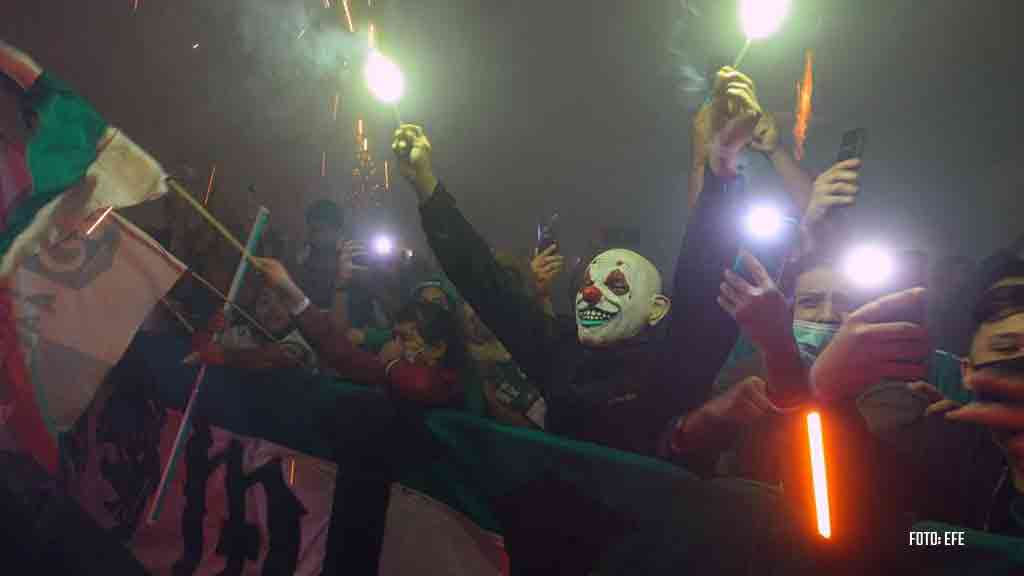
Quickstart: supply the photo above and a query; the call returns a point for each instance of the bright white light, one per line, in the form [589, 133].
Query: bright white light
[384, 78]
[764, 222]
[868, 266]
[383, 245]
[761, 18]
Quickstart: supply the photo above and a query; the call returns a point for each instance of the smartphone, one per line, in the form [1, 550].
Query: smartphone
[852, 145]
[547, 233]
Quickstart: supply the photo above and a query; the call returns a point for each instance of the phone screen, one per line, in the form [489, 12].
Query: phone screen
[547, 234]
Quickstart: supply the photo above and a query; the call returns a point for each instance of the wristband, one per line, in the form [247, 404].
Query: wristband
[301, 307]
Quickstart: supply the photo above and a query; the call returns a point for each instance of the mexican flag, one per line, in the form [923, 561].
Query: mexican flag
[72, 291]
[73, 165]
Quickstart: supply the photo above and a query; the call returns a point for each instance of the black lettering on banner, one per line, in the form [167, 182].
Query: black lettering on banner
[239, 541]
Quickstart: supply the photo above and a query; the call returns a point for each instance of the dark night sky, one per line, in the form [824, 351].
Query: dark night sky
[534, 106]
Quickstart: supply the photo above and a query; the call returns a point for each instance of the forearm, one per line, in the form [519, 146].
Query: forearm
[786, 374]
[700, 334]
[509, 310]
[334, 349]
[798, 183]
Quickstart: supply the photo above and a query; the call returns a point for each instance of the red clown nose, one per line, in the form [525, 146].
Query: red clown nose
[591, 294]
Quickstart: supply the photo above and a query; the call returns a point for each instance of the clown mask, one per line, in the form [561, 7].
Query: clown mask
[620, 297]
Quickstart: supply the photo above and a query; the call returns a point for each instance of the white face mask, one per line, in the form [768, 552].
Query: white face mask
[621, 295]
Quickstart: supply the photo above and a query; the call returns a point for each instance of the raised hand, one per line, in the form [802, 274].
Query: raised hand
[412, 149]
[347, 252]
[735, 111]
[546, 266]
[278, 278]
[874, 345]
[760, 309]
[837, 186]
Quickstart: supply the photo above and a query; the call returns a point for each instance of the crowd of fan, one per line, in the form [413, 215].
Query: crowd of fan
[710, 378]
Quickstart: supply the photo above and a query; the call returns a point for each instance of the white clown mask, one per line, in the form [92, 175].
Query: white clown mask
[620, 297]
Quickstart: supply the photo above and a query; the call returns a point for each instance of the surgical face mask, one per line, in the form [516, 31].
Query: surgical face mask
[813, 337]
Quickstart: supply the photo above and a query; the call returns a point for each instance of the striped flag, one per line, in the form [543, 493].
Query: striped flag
[71, 311]
[73, 165]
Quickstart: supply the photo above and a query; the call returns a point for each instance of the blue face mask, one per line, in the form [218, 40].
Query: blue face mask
[813, 337]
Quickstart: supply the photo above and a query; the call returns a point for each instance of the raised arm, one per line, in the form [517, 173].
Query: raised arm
[797, 183]
[700, 334]
[328, 338]
[505, 306]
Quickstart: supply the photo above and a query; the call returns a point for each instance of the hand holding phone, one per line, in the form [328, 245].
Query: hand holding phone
[547, 234]
[852, 145]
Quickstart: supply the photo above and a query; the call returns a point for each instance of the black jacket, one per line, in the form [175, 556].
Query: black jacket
[621, 397]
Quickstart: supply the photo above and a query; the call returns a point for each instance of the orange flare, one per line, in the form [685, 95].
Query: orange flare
[818, 474]
[804, 91]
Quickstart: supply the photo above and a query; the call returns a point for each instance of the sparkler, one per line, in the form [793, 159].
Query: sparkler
[371, 36]
[209, 185]
[98, 220]
[802, 114]
[335, 107]
[348, 16]
[323, 165]
[760, 19]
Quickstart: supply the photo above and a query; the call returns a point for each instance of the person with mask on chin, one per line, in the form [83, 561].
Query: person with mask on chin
[994, 373]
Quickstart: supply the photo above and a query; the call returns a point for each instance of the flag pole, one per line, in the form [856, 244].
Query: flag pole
[255, 233]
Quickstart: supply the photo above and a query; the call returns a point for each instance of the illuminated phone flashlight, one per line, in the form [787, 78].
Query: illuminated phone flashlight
[763, 222]
[869, 266]
[383, 245]
[818, 474]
